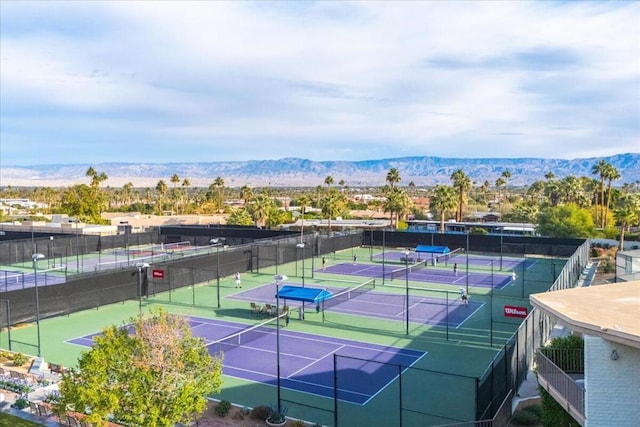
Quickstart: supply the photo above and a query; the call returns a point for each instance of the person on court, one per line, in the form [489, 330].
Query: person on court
[324, 263]
[238, 282]
[455, 269]
[513, 276]
[355, 259]
[464, 297]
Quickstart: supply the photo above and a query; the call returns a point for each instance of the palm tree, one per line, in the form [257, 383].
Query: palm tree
[499, 184]
[303, 202]
[506, 175]
[331, 204]
[127, 190]
[186, 183]
[393, 177]
[261, 207]
[161, 188]
[462, 185]
[219, 184]
[600, 169]
[611, 174]
[246, 194]
[412, 188]
[328, 181]
[549, 176]
[626, 213]
[443, 200]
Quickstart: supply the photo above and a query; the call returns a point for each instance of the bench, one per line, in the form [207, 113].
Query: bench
[55, 368]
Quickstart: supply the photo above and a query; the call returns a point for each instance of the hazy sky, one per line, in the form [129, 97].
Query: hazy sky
[121, 81]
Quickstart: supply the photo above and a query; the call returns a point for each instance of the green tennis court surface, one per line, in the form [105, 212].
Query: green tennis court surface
[439, 386]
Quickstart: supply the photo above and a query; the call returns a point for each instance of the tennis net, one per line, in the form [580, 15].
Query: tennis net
[402, 272]
[247, 335]
[349, 294]
[445, 258]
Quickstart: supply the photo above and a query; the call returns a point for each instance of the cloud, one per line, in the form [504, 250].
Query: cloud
[200, 81]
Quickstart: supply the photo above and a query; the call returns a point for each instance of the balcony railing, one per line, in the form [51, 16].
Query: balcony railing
[564, 389]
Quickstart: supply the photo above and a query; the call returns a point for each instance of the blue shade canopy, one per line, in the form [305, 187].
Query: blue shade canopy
[432, 249]
[298, 293]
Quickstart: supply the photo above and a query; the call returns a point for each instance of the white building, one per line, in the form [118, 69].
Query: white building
[608, 316]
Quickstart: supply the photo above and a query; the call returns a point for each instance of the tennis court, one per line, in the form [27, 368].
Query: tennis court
[422, 273]
[11, 279]
[385, 305]
[306, 360]
[461, 258]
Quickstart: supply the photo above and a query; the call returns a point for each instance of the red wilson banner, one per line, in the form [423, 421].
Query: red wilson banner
[158, 274]
[515, 311]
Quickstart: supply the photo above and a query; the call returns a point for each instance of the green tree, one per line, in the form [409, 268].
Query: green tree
[332, 204]
[240, 216]
[626, 213]
[328, 181]
[442, 201]
[246, 194]
[260, 208]
[600, 169]
[303, 202]
[83, 202]
[161, 188]
[611, 174]
[393, 177]
[462, 185]
[565, 221]
[219, 184]
[156, 375]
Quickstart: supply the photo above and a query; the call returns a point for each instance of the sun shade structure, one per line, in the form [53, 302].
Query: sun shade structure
[298, 293]
[442, 250]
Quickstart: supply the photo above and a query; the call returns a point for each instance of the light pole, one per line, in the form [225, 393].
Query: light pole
[35, 258]
[217, 241]
[406, 275]
[467, 252]
[279, 278]
[140, 266]
[301, 245]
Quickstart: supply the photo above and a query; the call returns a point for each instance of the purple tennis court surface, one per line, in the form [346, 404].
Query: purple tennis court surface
[504, 263]
[306, 360]
[12, 280]
[427, 274]
[424, 310]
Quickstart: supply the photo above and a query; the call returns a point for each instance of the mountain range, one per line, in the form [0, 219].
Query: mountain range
[294, 172]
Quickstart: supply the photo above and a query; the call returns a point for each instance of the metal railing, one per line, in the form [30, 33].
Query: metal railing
[500, 419]
[564, 389]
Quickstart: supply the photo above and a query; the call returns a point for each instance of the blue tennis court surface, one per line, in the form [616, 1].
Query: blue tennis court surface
[423, 310]
[306, 360]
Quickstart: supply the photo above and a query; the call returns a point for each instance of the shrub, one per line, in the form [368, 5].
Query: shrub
[525, 418]
[277, 415]
[534, 409]
[222, 409]
[19, 359]
[553, 414]
[21, 403]
[260, 413]
[608, 267]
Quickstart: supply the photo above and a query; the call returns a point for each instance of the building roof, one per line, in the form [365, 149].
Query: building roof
[609, 311]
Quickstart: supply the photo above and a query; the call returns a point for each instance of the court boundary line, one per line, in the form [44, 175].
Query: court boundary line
[379, 348]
